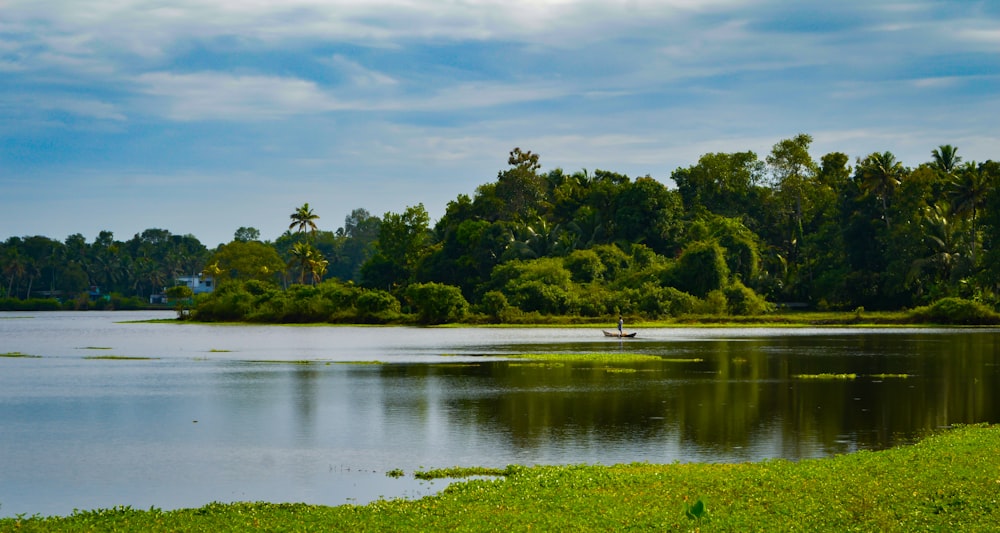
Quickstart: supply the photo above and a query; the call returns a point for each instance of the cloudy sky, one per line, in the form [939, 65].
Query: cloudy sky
[201, 116]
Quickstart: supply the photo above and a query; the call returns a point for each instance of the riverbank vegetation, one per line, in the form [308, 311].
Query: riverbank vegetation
[737, 235]
[949, 481]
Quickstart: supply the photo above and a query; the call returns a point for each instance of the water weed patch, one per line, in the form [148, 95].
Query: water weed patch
[947, 482]
[19, 354]
[599, 357]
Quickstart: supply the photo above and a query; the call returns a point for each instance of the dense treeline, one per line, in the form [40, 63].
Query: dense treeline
[737, 235]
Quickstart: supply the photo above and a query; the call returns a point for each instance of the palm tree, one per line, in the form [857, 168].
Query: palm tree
[880, 175]
[946, 159]
[968, 194]
[309, 260]
[943, 251]
[304, 218]
[14, 267]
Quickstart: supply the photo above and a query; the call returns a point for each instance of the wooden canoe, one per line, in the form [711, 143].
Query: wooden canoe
[616, 334]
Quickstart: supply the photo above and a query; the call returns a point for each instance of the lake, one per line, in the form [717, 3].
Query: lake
[107, 412]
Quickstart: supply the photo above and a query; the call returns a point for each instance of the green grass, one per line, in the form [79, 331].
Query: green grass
[849, 376]
[282, 362]
[947, 482]
[19, 354]
[120, 358]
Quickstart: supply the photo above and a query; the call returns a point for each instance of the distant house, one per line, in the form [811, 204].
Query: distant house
[198, 284]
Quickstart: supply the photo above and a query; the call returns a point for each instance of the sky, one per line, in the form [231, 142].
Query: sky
[203, 116]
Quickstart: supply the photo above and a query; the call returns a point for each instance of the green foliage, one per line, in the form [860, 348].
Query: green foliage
[714, 303]
[245, 260]
[741, 300]
[697, 511]
[493, 304]
[436, 303]
[878, 235]
[463, 471]
[702, 268]
[378, 306]
[541, 285]
[956, 311]
[31, 304]
[656, 301]
[585, 266]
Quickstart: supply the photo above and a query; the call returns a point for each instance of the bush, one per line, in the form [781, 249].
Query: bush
[437, 303]
[742, 300]
[378, 305]
[956, 311]
[714, 304]
[584, 265]
[493, 304]
[31, 304]
[656, 301]
[702, 268]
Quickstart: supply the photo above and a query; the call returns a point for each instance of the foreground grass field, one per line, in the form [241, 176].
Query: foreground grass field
[947, 482]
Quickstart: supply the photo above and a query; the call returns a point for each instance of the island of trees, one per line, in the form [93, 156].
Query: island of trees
[738, 235]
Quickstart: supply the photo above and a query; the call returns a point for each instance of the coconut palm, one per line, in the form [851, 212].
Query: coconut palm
[304, 219]
[880, 175]
[14, 266]
[968, 194]
[310, 261]
[946, 159]
[943, 250]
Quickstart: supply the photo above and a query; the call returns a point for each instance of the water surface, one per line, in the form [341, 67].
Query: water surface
[202, 413]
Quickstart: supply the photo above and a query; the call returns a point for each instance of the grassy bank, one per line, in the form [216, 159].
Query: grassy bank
[947, 482]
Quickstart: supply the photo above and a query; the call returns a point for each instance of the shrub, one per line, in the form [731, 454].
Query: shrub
[437, 303]
[702, 268]
[656, 301]
[714, 303]
[378, 305]
[742, 300]
[493, 304]
[584, 265]
[956, 311]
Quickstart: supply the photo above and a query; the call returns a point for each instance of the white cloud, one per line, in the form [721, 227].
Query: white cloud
[361, 76]
[212, 96]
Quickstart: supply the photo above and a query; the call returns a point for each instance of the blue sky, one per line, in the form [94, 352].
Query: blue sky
[201, 116]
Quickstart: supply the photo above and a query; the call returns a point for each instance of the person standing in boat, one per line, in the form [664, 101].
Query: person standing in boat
[621, 324]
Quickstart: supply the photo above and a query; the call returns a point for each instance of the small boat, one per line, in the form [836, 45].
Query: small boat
[620, 335]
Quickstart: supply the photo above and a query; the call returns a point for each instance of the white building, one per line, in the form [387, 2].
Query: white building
[198, 284]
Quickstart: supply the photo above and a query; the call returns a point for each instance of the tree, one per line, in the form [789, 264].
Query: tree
[967, 195]
[243, 261]
[437, 303]
[304, 219]
[942, 253]
[310, 261]
[14, 266]
[945, 159]
[880, 174]
[520, 189]
[358, 236]
[246, 234]
[725, 184]
[402, 239]
[702, 268]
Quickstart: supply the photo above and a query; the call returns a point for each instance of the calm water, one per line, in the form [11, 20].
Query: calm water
[230, 413]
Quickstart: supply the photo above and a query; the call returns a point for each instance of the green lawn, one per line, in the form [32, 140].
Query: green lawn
[948, 482]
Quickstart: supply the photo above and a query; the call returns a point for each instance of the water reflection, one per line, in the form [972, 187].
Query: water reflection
[223, 413]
